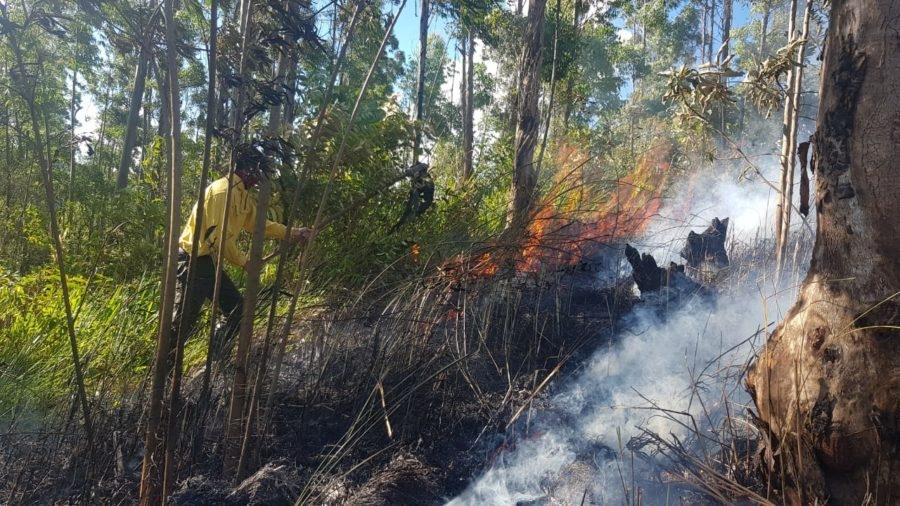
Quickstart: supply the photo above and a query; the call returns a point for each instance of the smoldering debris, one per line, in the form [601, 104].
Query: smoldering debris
[686, 362]
[707, 247]
[674, 370]
[649, 277]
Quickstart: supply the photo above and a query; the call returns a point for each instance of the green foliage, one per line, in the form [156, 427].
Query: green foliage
[115, 324]
[611, 102]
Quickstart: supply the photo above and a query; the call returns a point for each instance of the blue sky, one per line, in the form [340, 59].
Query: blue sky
[407, 29]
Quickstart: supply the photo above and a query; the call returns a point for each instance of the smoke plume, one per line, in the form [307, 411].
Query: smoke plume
[673, 369]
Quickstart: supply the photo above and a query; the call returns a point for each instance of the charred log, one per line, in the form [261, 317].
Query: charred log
[707, 247]
[649, 277]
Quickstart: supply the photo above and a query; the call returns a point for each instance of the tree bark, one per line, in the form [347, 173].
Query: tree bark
[787, 159]
[570, 80]
[710, 51]
[212, 110]
[550, 101]
[826, 383]
[420, 83]
[277, 122]
[234, 423]
[153, 489]
[137, 95]
[796, 86]
[524, 183]
[469, 108]
[704, 31]
[726, 29]
[73, 109]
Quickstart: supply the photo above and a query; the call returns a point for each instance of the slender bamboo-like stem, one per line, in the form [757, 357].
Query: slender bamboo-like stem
[276, 122]
[468, 107]
[205, 390]
[234, 422]
[211, 117]
[153, 484]
[552, 91]
[172, 439]
[305, 254]
[295, 201]
[420, 83]
[796, 86]
[786, 144]
[73, 109]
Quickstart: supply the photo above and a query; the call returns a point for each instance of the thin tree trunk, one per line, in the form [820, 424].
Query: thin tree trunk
[550, 104]
[722, 57]
[164, 125]
[570, 82]
[234, 423]
[235, 416]
[469, 110]
[787, 149]
[211, 117]
[796, 92]
[463, 96]
[420, 83]
[305, 254]
[291, 212]
[237, 123]
[825, 385]
[28, 95]
[764, 33]
[277, 122]
[726, 29]
[8, 155]
[72, 150]
[524, 184]
[712, 32]
[137, 95]
[704, 31]
[154, 488]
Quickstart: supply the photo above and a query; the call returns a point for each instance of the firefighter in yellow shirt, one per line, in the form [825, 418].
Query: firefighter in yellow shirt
[241, 216]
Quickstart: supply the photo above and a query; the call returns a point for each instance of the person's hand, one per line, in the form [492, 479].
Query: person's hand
[299, 235]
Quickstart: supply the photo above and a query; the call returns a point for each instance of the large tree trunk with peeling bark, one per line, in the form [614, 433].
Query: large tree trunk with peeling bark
[831, 372]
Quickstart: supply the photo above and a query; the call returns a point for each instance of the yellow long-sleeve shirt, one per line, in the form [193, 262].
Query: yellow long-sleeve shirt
[242, 217]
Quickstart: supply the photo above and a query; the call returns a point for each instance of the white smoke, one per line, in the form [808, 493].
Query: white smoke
[748, 202]
[685, 358]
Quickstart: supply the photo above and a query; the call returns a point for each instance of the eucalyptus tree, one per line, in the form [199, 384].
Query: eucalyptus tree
[825, 384]
[144, 40]
[420, 81]
[524, 179]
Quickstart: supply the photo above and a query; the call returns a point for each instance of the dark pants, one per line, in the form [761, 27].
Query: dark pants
[189, 303]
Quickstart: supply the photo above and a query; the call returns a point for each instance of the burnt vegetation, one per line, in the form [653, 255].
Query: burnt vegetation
[471, 219]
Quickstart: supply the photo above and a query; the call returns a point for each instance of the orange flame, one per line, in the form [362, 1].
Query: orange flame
[562, 232]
